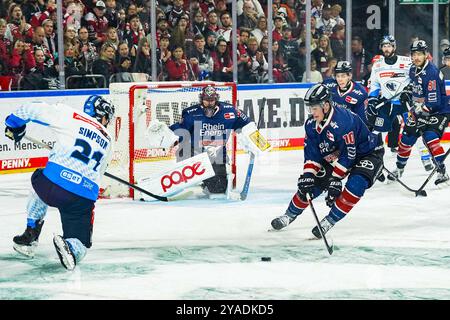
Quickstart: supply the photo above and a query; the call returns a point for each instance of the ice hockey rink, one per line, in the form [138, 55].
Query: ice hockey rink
[391, 246]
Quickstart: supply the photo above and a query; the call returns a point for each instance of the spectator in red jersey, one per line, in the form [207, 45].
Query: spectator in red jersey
[177, 66]
[22, 60]
[97, 23]
[133, 35]
[17, 27]
[39, 17]
[223, 64]
[277, 33]
[5, 48]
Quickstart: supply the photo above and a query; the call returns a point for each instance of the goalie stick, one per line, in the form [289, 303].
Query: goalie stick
[109, 175]
[248, 177]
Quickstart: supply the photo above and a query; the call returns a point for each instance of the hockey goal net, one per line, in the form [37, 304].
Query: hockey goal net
[136, 105]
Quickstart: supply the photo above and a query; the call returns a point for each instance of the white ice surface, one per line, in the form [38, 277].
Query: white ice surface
[390, 246]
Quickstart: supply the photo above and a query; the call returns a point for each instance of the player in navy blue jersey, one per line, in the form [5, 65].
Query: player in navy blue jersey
[337, 145]
[347, 93]
[429, 111]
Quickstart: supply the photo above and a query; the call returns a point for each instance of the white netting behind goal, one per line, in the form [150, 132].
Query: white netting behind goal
[136, 105]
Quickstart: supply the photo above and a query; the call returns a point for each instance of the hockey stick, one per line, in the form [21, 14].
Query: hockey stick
[248, 177]
[417, 192]
[432, 172]
[109, 175]
[329, 248]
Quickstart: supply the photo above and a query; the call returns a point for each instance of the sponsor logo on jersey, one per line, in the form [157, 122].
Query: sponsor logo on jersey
[366, 164]
[180, 176]
[71, 176]
[351, 100]
[229, 115]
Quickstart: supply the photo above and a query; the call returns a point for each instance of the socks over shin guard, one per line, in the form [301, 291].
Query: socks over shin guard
[352, 193]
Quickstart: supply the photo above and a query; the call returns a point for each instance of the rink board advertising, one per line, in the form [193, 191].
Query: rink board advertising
[284, 115]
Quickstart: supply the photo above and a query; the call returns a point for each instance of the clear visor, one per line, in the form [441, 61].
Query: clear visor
[311, 106]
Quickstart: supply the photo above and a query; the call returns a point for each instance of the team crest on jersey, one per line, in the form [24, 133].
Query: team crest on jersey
[351, 100]
[330, 136]
[229, 115]
[392, 86]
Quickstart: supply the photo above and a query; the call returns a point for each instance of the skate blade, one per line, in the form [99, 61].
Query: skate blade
[67, 259]
[27, 251]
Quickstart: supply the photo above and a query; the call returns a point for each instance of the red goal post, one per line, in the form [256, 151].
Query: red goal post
[131, 158]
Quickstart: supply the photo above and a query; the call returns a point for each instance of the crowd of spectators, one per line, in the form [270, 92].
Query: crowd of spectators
[110, 40]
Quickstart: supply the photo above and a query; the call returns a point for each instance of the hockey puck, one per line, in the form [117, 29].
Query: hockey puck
[266, 259]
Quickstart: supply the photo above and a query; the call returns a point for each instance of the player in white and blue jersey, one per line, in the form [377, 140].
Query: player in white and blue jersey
[70, 180]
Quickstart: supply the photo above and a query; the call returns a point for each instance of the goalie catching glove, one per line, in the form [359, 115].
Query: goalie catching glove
[159, 135]
[253, 141]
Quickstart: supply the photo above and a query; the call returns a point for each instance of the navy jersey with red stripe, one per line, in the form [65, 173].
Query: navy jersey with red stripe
[354, 99]
[205, 131]
[341, 141]
[429, 88]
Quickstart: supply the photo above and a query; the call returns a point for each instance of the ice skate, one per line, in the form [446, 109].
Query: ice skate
[282, 221]
[326, 224]
[442, 178]
[27, 243]
[396, 174]
[427, 164]
[64, 252]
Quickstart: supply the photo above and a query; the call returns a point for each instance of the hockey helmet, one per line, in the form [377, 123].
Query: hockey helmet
[446, 53]
[343, 67]
[209, 93]
[419, 45]
[98, 107]
[318, 94]
[388, 40]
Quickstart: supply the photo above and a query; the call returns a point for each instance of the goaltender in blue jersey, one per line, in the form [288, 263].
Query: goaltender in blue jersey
[70, 181]
[337, 144]
[206, 127]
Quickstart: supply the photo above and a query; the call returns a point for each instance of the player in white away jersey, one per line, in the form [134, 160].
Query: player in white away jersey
[389, 77]
[70, 181]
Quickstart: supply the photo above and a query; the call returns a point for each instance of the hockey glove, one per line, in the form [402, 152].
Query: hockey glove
[306, 184]
[406, 95]
[334, 190]
[15, 134]
[372, 103]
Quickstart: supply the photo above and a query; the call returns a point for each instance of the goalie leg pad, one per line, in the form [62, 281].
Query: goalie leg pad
[218, 183]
